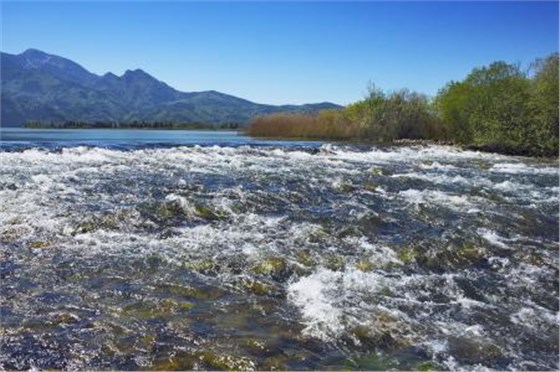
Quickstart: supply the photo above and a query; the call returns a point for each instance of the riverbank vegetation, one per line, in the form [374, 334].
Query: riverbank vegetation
[499, 107]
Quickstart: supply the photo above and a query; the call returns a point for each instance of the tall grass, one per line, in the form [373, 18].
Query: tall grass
[328, 124]
[379, 118]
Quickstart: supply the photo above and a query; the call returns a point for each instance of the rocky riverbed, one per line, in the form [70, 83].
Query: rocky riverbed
[278, 257]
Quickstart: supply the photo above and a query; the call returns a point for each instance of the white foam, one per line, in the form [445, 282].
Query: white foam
[332, 303]
[440, 179]
[185, 204]
[536, 318]
[493, 238]
[437, 165]
[520, 168]
[313, 297]
[437, 197]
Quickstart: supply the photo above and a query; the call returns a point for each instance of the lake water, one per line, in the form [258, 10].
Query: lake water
[210, 250]
[17, 138]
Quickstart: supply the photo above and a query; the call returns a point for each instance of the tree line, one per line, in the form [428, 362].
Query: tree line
[134, 124]
[498, 107]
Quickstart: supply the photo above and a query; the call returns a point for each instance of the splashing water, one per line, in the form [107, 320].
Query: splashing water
[283, 257]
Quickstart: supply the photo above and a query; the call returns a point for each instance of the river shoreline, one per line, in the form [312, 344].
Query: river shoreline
[485, 148]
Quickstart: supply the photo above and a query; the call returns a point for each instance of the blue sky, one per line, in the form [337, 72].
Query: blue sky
[286, 52]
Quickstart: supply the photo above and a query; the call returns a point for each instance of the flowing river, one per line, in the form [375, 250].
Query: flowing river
[237, 254]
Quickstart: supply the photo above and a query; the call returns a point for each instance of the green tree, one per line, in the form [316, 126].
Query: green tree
[544, 104]
[497, 105]
[451, 103]
[491, 106]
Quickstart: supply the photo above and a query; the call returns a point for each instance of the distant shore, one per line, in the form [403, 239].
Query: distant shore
[151, 125]
[213, 129]
[489, 148]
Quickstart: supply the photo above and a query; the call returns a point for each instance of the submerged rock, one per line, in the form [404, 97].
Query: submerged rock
[371, 186]
[386, 332]
[275, 267]
[65, 318]
[254, 345]
[344, 187]
[428, 366]
[204, 266]
[208, 213]
[305, 258]
[318, 236]
[365, 265]
[472, 351]
[189, 292]
[407, 255]
[11, 234]
[257, 287]
[85, 227]
[170, 209]
[39, 244]
[335, 262]
[451, 257]
[144, 310]
[347, 231]
[114, 220]
[274, 363]
[370, 362]
[482, 164]
[226, 362]
[379, 171]
[203, 360]
[180, 361]
[470, 253]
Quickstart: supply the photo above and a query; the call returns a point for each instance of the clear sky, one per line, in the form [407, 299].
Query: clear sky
[286, 52]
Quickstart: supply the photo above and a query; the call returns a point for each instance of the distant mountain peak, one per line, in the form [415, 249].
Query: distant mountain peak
[33, 52]
[137, 72]
[45, 87]
[34, 57]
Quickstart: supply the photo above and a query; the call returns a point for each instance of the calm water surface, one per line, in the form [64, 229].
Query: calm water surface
[210, 250]
[17, 138]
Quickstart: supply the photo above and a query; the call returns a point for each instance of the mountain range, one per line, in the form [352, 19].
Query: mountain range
[36, 86]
